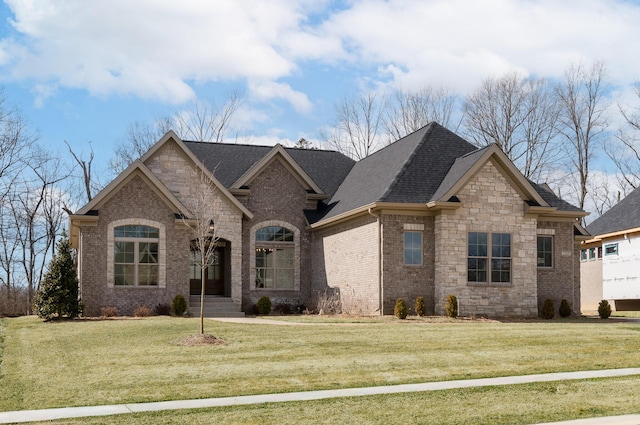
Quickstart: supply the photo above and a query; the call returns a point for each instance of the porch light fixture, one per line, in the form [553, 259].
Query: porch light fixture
[211, 225]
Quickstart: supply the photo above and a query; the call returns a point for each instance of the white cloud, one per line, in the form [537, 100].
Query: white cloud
[158, 49]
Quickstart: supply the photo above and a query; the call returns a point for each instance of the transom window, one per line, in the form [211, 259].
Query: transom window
[545, 251]
[481, 265]
[136, 255]
[275, 258]
[413, 248]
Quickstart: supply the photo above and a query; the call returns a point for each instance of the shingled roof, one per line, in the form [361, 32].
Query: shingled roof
[229, 162]
[622, 216]
[417, 169]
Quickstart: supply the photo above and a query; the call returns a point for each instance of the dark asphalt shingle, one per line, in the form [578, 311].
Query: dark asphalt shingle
[624, 215]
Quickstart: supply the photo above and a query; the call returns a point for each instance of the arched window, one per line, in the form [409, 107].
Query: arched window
[136, 255]
[275, 258]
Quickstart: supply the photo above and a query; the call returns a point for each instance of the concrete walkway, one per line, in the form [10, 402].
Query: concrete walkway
[117, 409]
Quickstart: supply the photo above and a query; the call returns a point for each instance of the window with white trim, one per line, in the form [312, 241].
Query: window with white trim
[489, 257]
[413, 248]
[136, 255]
[275, 258]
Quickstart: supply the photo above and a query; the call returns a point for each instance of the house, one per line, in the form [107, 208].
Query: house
[429, 215]
[610, 260]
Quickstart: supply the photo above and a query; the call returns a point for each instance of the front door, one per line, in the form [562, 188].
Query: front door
[213, 275]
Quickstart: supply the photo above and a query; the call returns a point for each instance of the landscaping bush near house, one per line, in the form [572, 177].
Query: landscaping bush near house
[263, 306]
[109, 311]
[328, 302]
[421, 308]
[604, 309]
[565, 308]
[400, 310]
[451, 307]
[548, 309]
[142, 311]
[179, 305]
[162, 310]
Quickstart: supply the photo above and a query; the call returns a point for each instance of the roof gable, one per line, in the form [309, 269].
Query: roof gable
[137, 168]
[171, 137]
[464, 168]
[278, 153]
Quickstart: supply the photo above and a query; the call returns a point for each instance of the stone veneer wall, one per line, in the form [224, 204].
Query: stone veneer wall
[137, 204]
[177, 172]
[560, 281]
[345, 259]
[276, 196]
[489, 204]
[407, 281]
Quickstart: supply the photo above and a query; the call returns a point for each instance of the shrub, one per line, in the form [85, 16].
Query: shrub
[179, 305]
[451, 307]
[421, 308]
[565, 309]
[548, 309]
[162, 310]
[328, 302]
[604, 309]
[142, 311]
[283, 308]
[109, 311]
[400, 310]
[263, 306]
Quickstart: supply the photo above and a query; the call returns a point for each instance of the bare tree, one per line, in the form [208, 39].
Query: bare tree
[409, 111]
[205, 121]
[86, 167]
[357, 123]
[139, 138]
[517, 114]
[582, 120]
[625, 154]
[202, 203]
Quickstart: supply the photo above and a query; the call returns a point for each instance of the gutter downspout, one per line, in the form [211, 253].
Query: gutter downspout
[379, 253]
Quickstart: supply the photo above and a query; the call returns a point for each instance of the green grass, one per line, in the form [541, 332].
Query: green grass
[518, 404]
[80, 362]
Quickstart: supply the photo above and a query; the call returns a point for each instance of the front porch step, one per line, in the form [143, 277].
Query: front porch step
[214, 306]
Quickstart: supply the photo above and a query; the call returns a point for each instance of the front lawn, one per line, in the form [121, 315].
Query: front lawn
[87, 362]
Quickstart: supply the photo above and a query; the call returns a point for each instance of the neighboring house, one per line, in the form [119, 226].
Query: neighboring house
[610, 261]
[429, 215]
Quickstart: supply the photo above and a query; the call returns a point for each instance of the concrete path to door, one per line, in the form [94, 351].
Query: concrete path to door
[118, 409]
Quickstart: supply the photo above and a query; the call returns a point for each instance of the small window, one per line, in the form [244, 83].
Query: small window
[545, 251]
[413, 248]
[599, 252]
[592, 254]
[611, 249]
[583, 255]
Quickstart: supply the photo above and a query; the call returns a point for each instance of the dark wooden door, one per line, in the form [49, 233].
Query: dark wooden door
[214, 274]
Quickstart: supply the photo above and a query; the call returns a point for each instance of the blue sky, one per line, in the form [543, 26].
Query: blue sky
[84, 70]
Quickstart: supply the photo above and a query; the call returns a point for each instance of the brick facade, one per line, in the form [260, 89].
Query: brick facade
[276, 198]
[562, 280]
[407, 281]
[345, 259]
[143, 206]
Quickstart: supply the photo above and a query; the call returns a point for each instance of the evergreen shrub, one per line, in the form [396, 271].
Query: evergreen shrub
[179, 305]
[421, 308]
[548, 309]
[604, 309]
[400, 310]
[263, 306]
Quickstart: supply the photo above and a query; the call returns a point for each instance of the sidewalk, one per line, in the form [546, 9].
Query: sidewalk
[117, 409]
